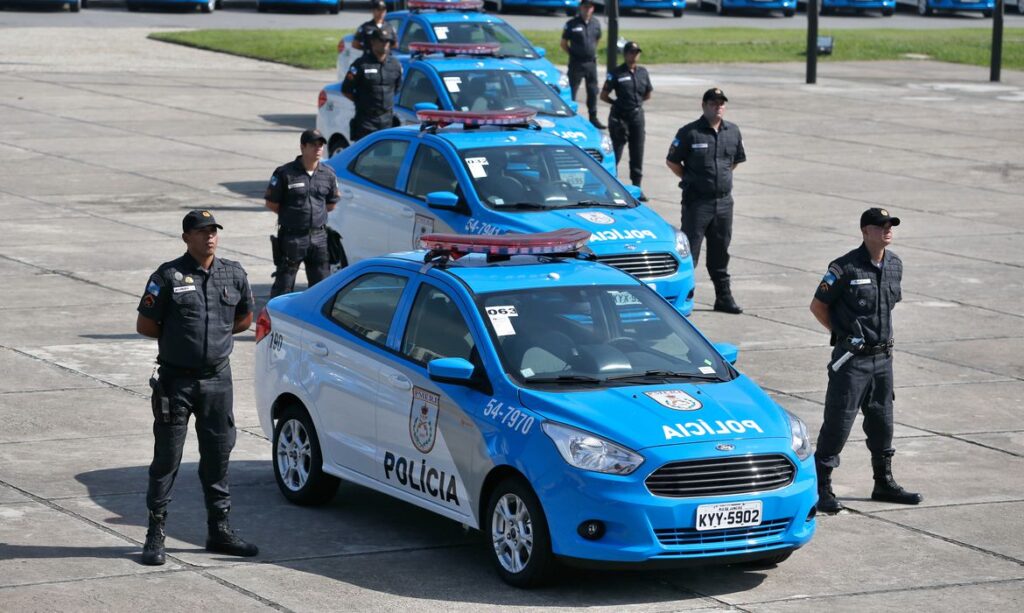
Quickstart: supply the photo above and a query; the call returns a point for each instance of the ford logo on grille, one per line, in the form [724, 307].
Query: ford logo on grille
[630, 247]
[725, 447]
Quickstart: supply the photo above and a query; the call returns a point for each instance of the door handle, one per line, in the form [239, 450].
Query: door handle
[318, 348]
[406, 213]
[399, 382]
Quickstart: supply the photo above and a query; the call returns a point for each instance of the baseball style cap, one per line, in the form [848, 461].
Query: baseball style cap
[378, 5]
[312, 136]
[715, 94]
[198, 218]
[877, 217]
[631, 46]
[590, 2]
[380, 34]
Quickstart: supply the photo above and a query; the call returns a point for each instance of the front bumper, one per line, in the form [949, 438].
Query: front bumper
[767, 5]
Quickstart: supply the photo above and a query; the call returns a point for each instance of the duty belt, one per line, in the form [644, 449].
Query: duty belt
[885, 348]
[297, 232]
[195, 373]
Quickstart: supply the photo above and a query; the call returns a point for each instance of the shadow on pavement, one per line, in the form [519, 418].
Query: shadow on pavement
[301, 122]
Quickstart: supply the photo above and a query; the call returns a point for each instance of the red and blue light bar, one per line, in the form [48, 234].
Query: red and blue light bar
[512, 117]
[444, 5]
[455, 48]
[564, 241]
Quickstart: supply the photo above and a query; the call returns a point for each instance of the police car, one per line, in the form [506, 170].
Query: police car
[931, 7]
[72, 6]
[496, 172]
[829, 7]
[554, 403]
[331, 6]
[439, 21]
[676, 6]
[472, 82]
[206, 6]
[788, 7]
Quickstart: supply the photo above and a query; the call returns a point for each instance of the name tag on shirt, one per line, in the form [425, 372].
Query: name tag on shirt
[295, 185]
[700, 145]
[860, 281]
[625, 78]
[578, 29]
[370, 71]
[184, 288]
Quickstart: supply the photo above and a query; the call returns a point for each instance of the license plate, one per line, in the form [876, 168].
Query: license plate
[728, 515]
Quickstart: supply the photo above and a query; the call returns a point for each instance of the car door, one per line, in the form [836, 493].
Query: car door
[344, 366]
[426, 440]
[371, 205]
[429, 172]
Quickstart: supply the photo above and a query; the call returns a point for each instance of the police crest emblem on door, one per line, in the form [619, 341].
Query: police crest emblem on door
[423, 419]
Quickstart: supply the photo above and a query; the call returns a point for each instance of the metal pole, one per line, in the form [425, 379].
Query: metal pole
[997, 41]
[812, 41]
[611, 9]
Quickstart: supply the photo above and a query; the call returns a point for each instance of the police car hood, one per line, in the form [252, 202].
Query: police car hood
[643, 416]
[574, 129]
[612, 229]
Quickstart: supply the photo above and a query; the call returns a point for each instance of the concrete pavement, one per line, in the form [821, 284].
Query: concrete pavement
[108, 138]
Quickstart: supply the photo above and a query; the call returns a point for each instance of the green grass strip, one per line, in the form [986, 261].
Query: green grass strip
[317, 48]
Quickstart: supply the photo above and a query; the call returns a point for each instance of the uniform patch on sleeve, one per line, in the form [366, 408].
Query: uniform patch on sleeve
[148, 301]
[675, 142]
[153, 288]
[273, 181]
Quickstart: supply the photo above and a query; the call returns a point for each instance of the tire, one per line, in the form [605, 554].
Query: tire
[335, 8]
[298, 461]
[887, 12]
[85, 4]
[521, 528]
[1020, 7]
[336, 145]
[720, 8]
[260, 7]
[677, 13]
[788, 13]
[923, 9]
[986, 13]
[768, 561]
[208, 6]
[132, 7]
[219, 4]
[74, 6]
[499, 6]
[570, 12]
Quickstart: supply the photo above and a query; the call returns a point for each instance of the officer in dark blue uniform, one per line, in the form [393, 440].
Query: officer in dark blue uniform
[704, 154]
[361, 39]
[632, 87]
[579, 39]
[302, 192]
[854, 301]
[371, 83]
[194, 305]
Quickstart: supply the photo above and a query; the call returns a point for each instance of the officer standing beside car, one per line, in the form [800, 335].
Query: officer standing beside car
[854, 302]
[371, 83]
[632, 87]
[302, 192]
[361, 39]
[704, 154]
[579, 39]
[193, 305]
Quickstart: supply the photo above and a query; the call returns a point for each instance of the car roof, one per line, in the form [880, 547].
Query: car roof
[454, 64]
[433, 17]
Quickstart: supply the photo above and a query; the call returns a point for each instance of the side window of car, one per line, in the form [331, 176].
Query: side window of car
[417, 88]
[414, 33]
[436, 328]
[430, 172]
[367, 305]
[380, 162]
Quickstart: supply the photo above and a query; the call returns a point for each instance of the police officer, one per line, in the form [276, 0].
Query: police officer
[194, 305]
[361, 40]
[632, 87]
[579, 39]
[704, 154]
[371, 83]
[302, 192]
[854, 302]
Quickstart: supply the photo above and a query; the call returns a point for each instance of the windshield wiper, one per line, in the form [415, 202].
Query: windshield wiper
[668, 374]
[522, 205]
[588, 204]
[565, 379]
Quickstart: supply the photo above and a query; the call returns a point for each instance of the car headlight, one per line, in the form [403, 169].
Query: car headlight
[682, 245]
[591, 452]
[606, 144]
[563, 82]
[799, 441]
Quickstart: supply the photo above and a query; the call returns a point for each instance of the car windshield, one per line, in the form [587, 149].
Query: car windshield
[495, 90]
[512, 43]
[599, 335]
[542, 177]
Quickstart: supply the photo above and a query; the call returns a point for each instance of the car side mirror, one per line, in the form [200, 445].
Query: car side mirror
[575, 106]
[442, 200]
[425, 106]
[634, 191]
[541, 51]
[451, 370]
[728, 351]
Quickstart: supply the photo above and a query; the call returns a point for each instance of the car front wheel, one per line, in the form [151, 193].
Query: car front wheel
[519, 544]
[208, 6]
[298, 461]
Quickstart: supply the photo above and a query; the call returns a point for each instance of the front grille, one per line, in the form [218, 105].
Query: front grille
[690, 536]
[721, 476]
[643, 265]
[596, 154]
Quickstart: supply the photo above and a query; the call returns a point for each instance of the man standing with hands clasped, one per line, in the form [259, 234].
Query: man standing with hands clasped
[703, 154]
[854, 302]
[579, 39]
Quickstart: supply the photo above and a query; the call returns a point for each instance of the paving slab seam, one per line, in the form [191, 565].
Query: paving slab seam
[67, 274]
[332, 556]
[918, 588]
[952, 505]
[951, 541]
[76, 372]
[167, 571]
[685, 591]
[957, 364]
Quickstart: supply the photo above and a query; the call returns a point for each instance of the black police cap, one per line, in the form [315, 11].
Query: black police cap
[715, 94]
[877, 217]
[198, 218]
[311, 136]
[631, 47]
[380, 34]
[378, 5]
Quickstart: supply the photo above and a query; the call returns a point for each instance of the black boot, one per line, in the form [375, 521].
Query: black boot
[222, 540]
[724, 301]
[597, 123]
[886, 488]
[827, 502]
[153, 550]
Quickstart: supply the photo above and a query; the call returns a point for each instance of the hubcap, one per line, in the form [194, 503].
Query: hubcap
[294, 456]
[512, 533]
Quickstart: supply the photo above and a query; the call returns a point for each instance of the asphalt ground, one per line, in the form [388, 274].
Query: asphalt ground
[242, 14]
[107, 139]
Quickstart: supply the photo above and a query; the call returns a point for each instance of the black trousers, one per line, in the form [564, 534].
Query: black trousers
[210, 401]
[584, 71]
[863, 384]
[711, 219]
[629, 127]
[309, 249]
[362, 125]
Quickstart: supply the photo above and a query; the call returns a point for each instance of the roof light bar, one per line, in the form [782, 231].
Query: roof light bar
[456, 48]
[565, 241]
[445, 5]
[520, 116]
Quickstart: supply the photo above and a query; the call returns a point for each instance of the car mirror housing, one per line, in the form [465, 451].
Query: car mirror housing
[575, 106]
[634, 191]
[728, 351]
[451, 370]
[425, 106]
[540, 51]
[442, 200]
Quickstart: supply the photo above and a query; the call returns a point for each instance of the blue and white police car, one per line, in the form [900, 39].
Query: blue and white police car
[440, 21]
[72, 6]
[496, 172]
[676, 6]
[330, 6]
[556, 404]
[206, 6]
[722, 7]
[830, 7]
[468, 78]
[926, 8]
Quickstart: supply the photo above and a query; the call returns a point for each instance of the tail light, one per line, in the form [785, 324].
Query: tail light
[322, 98]
[341, 45]
[262, 324]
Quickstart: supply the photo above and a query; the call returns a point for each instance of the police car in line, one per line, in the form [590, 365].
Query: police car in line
[676, 6]
[331, 6]
[931, 7]
[72, 6]
[206, 6]
[468, 84]
[496, 172]
[554, 403]
[460, 21]
[722, 7]
[830, 7]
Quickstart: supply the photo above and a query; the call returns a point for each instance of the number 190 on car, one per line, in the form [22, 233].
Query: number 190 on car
[728, 515]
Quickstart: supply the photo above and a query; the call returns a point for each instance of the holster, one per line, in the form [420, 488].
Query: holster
[275, 251]
[161, 403]
[334, 251]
